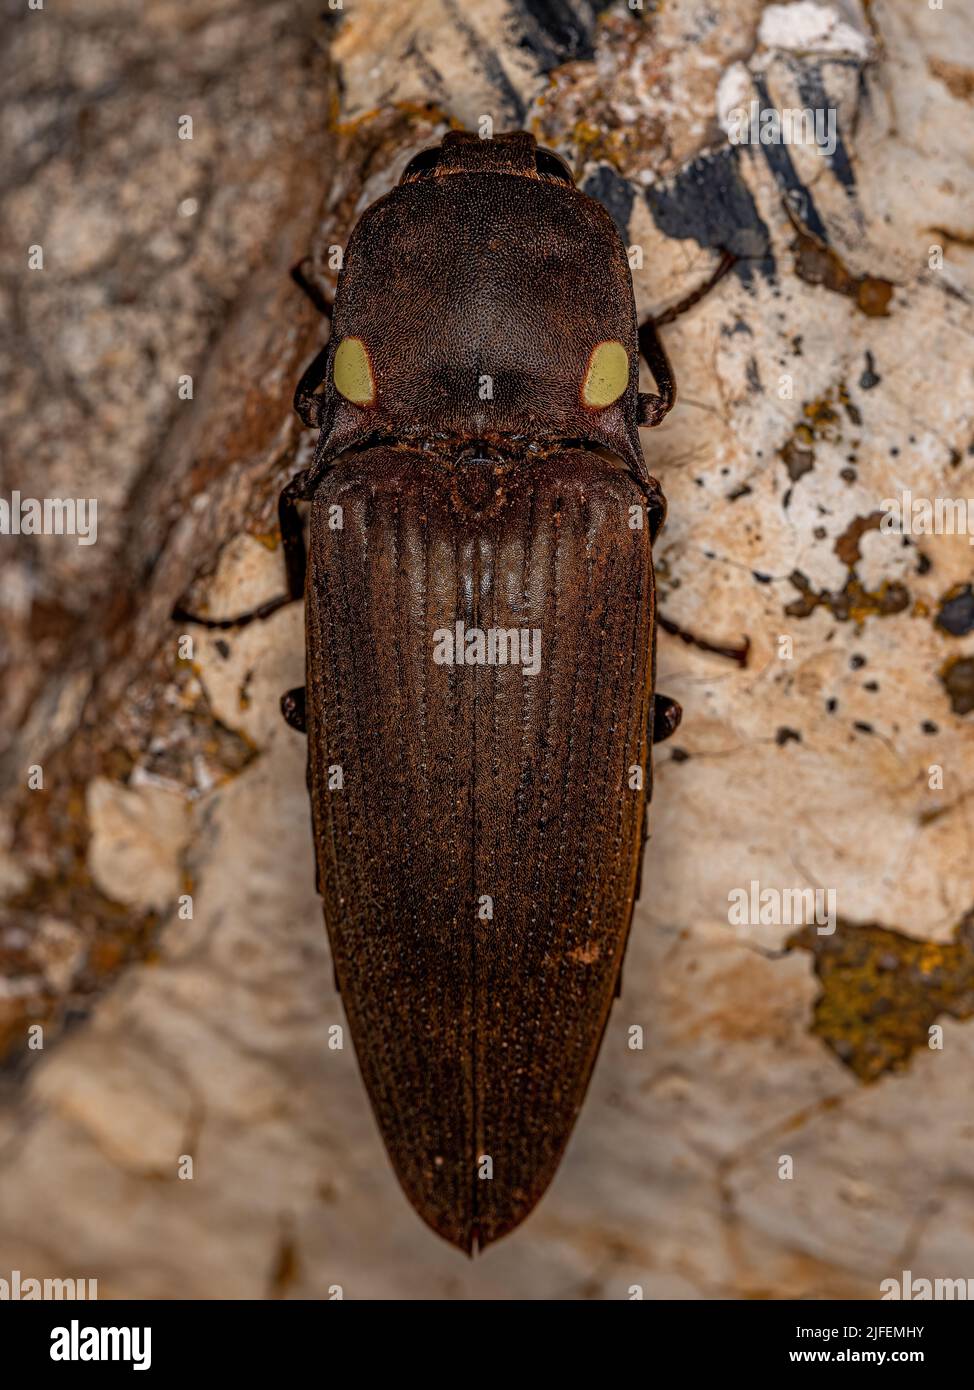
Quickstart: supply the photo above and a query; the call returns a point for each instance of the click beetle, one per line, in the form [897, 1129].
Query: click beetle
[480, 644]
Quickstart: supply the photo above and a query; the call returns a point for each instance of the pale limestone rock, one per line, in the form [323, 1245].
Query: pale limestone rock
[807, 27]
[218, 1046]
[138, 835]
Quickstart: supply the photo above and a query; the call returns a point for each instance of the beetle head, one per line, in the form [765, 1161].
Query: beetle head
[485, 296]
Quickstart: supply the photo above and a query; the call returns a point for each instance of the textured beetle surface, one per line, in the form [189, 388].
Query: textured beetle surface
[479, 824]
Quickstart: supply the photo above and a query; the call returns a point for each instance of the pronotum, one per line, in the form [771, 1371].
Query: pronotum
[480, 642]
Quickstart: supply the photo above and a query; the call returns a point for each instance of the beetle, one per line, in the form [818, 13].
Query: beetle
[480, 643]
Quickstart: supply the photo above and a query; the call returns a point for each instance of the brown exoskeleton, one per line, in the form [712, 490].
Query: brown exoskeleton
[480, 618]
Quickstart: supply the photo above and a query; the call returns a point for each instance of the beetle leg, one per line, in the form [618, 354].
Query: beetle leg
[320, 300]
[667, 714]
[653, 408]
[182, 615]
[309, 406]
[655, 507]
[292, 534]
[295, 564]
[293, 709]
[727, 261]
[306, 403]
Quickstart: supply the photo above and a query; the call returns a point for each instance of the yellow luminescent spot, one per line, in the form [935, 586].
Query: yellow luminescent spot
[353, 372]
[607, 376]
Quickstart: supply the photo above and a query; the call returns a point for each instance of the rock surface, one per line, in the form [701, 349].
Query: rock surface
[826, 667]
